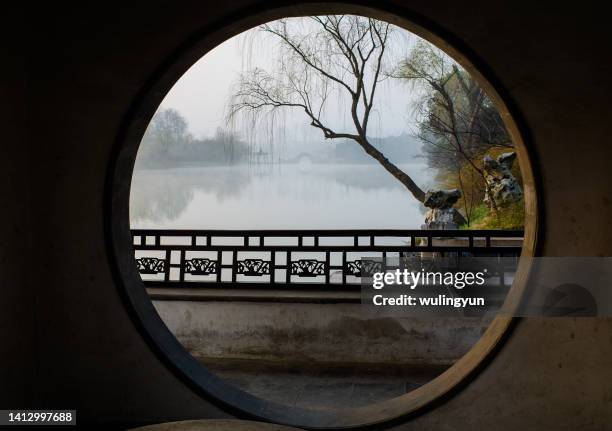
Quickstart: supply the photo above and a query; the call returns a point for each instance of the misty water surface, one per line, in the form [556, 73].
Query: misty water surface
[288, 196]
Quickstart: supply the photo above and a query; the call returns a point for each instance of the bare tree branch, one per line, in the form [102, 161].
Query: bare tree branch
[337, 51]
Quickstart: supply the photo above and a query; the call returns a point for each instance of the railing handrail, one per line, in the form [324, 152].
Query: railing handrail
[466, 233]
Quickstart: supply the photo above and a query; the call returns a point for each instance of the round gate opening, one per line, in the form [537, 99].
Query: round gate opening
[277, 180]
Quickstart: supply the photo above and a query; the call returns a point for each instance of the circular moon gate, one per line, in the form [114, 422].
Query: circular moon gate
[159, 336]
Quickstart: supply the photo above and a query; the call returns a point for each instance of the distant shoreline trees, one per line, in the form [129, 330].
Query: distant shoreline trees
[167, 142]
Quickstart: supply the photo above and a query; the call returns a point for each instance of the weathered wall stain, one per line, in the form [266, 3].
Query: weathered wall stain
[316, 332]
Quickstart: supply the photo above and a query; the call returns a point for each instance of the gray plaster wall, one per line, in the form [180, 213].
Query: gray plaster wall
[324, 333]
[87, 63]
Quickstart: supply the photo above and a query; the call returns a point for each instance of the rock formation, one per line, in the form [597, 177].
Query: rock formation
[441, 214]
[501, 184]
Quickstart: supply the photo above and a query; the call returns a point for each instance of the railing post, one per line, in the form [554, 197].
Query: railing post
[167, 257]
[181, 265]
[343, 268]
[234, 263]
[288, 270]
[327, 267]
[218, 268]
[272, 267]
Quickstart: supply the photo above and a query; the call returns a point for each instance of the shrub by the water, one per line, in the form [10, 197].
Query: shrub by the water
[508, 217]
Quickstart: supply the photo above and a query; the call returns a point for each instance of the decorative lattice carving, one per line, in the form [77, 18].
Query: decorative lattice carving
[200, 266]
[150, 265]
[307, 268]
[362, 267]
[253, 267]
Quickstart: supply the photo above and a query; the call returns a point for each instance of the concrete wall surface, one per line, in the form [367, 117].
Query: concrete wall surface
[68, 340]
[324, 333]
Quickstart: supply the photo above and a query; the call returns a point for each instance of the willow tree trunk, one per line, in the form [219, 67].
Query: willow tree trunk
[401, 176]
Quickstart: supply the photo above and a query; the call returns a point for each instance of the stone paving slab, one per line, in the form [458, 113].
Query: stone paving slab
[323, 386]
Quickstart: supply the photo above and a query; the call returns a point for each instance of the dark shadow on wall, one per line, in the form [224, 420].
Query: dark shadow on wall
[17, 300]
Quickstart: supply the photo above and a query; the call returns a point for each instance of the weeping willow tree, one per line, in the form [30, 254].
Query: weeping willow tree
[323, 60]
[458, 123]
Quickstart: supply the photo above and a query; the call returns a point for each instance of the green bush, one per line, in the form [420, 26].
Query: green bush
[509, 217]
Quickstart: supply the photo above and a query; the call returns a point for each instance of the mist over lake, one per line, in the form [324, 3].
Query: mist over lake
[303, 195]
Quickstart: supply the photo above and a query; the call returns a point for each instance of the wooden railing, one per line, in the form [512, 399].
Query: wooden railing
[313, 259]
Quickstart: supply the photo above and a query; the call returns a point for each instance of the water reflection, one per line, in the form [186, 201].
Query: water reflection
[294, 196]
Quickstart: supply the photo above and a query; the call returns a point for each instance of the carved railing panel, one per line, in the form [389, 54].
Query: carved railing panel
[197, 266]
[253, 267]
[312, 259]
[150, 265]
[307, 268]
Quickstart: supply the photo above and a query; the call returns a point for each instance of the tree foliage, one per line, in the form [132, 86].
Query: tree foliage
[458, 123]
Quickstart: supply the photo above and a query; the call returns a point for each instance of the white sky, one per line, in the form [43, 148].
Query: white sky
[202, 93]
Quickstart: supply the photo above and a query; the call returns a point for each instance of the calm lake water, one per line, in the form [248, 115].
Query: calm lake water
[289, 196]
